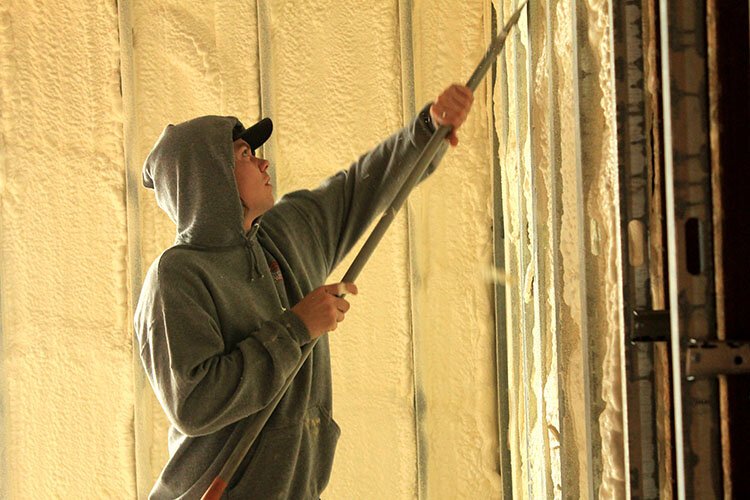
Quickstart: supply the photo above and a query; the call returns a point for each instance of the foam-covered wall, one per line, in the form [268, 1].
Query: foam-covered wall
[554, 106]
[88, 86]
[66, 337]
[451, 229]
[333, 86]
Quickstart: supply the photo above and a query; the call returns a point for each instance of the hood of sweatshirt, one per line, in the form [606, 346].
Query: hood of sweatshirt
[191, 170]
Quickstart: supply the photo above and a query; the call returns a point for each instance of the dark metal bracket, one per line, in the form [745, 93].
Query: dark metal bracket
[717, 357]
[704, 358]
[650, 326]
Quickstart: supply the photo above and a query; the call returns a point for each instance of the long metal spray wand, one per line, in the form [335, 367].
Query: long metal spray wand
[434, 150]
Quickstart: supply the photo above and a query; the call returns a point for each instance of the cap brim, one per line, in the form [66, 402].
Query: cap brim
[259, 133]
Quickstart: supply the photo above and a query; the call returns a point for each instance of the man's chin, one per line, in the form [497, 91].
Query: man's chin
[268, 207]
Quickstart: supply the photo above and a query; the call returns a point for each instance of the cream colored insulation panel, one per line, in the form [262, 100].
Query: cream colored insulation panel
[67, 347]
[451, 226]
[332, 77]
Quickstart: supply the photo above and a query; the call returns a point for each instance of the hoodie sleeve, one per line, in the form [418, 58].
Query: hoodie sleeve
[201, 383]
[336, 213]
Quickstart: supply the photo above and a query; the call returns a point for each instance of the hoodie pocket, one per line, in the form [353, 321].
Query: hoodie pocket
[330, 432]
[291, 462]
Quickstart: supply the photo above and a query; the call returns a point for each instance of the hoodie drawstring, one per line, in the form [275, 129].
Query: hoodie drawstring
[252, 258]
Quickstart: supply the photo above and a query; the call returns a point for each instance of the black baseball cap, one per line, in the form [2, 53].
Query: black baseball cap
[256, 135]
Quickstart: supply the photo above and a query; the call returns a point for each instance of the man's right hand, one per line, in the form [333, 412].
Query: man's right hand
[322, 309]
[451, 108]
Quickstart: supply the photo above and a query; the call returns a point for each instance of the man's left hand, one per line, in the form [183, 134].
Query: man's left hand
[451, 108]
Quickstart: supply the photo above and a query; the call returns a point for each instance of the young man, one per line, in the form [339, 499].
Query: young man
[224, 312]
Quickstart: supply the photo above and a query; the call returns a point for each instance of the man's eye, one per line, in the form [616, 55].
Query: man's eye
[246, 153]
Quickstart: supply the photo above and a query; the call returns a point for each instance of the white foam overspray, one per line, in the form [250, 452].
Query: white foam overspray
[494, 275]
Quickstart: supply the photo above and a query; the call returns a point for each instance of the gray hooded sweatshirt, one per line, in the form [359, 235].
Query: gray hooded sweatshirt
[216, 335]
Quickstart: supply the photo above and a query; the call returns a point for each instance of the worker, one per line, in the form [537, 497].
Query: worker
[225, 311]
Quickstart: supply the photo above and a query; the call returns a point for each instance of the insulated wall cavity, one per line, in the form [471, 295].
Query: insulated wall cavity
[557, 148]
[331, 77]
[66, 341]
[450, 218]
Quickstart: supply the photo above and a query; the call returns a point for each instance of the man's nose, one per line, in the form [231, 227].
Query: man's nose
[263, 166]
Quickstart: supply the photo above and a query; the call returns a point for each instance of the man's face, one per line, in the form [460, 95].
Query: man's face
[253, 183]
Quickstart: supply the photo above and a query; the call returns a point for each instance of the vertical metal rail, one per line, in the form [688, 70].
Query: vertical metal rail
[657, 247]
[634, 222]
[536, 356]
[689, 242]
[142, 406]
[498, 231]
[581, 223]
[522, 231]
[408, 109]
